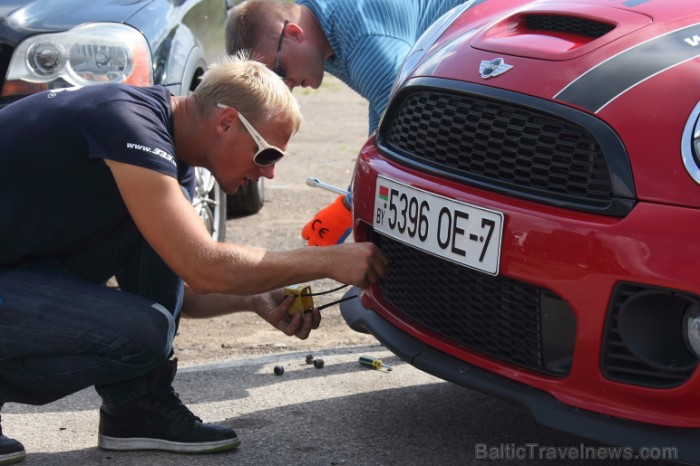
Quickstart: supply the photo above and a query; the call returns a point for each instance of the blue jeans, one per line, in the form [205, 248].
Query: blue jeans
[62, 329]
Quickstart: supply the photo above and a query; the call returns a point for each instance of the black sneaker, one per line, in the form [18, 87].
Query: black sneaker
[160, 421]
[11, 451]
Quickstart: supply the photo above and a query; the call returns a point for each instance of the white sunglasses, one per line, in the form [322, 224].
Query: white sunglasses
[267, 154]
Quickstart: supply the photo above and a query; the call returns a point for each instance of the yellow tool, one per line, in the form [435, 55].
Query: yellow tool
[303, 300]
[374, 363]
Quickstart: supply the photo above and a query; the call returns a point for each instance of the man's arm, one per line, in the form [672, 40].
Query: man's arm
[171, 226]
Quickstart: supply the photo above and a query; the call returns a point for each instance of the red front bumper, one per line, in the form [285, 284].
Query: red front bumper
[581, 257]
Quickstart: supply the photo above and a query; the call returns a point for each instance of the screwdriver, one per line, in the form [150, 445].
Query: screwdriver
[374, 363]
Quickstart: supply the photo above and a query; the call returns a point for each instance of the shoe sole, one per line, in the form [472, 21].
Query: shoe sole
[12, 458]
[129, 444]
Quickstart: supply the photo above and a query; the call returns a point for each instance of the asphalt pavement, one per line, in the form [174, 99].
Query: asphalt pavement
[341, 414]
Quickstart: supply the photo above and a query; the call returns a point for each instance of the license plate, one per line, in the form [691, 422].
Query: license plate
[456, 231]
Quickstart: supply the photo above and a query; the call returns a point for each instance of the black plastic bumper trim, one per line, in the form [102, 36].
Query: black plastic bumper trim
[545, 408]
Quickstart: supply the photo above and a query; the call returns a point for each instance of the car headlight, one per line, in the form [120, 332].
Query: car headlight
[88, 54]
[426, 40]
[690, 144]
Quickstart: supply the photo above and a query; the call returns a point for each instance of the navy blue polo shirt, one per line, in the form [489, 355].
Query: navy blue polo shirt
[56, 192]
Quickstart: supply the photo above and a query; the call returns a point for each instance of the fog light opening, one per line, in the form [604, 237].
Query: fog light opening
[655, 327]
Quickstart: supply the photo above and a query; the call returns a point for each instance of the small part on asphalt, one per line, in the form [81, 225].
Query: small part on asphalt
[318, 363]
[279, 370]
[309, 359]
[374, 363]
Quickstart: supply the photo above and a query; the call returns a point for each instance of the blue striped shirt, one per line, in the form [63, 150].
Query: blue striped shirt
[371, 38]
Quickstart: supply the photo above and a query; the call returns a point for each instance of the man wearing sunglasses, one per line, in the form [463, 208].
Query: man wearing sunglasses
[361, 42]
[125, 155]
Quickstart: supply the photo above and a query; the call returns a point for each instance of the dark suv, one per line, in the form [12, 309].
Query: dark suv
[46, 45]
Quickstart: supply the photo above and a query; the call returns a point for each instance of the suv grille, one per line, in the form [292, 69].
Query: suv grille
[496, 316]
[501, 146]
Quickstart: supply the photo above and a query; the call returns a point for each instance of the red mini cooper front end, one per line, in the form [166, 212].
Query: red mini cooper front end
[535, 185]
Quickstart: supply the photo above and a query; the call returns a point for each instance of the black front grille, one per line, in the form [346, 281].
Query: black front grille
[619, 363]
[568, 24]
[495, 316]
[505, 147]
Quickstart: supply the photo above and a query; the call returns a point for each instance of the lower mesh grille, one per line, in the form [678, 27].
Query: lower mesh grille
[495, 316]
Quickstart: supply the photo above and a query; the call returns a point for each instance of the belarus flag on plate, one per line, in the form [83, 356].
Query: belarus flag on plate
[383, 193]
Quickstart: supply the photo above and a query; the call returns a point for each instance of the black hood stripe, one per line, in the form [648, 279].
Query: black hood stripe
[599, 86]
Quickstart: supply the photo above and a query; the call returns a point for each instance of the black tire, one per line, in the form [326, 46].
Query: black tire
[248, 200]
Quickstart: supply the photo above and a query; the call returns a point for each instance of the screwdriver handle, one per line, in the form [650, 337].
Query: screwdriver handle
[372, 362]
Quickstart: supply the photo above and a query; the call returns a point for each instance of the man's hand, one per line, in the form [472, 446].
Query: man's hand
[330, 225]
[273, 306]
[361, 264]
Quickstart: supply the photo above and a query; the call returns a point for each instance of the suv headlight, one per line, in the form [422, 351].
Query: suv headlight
[88, 54]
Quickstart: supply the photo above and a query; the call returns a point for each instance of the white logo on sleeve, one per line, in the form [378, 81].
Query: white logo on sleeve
[150, 150]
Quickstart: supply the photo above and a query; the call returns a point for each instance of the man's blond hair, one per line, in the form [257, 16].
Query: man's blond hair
[248, 27]
[251, 88]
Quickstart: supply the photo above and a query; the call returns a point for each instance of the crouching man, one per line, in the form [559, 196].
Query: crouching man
[96, 183]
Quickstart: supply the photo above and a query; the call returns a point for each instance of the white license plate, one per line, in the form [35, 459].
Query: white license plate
[459, 232]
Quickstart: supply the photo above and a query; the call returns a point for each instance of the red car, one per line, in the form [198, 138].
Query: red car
[535, 184]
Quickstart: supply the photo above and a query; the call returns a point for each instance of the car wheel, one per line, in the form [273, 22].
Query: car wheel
[248, 200]
[210, 203]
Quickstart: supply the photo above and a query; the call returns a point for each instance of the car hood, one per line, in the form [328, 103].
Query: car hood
[537, 38]
[631, 63]
[20, 19]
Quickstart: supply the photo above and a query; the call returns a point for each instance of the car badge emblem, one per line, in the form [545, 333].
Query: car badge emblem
[493, 68]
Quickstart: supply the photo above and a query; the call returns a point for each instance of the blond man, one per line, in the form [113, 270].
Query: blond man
[126, 155]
